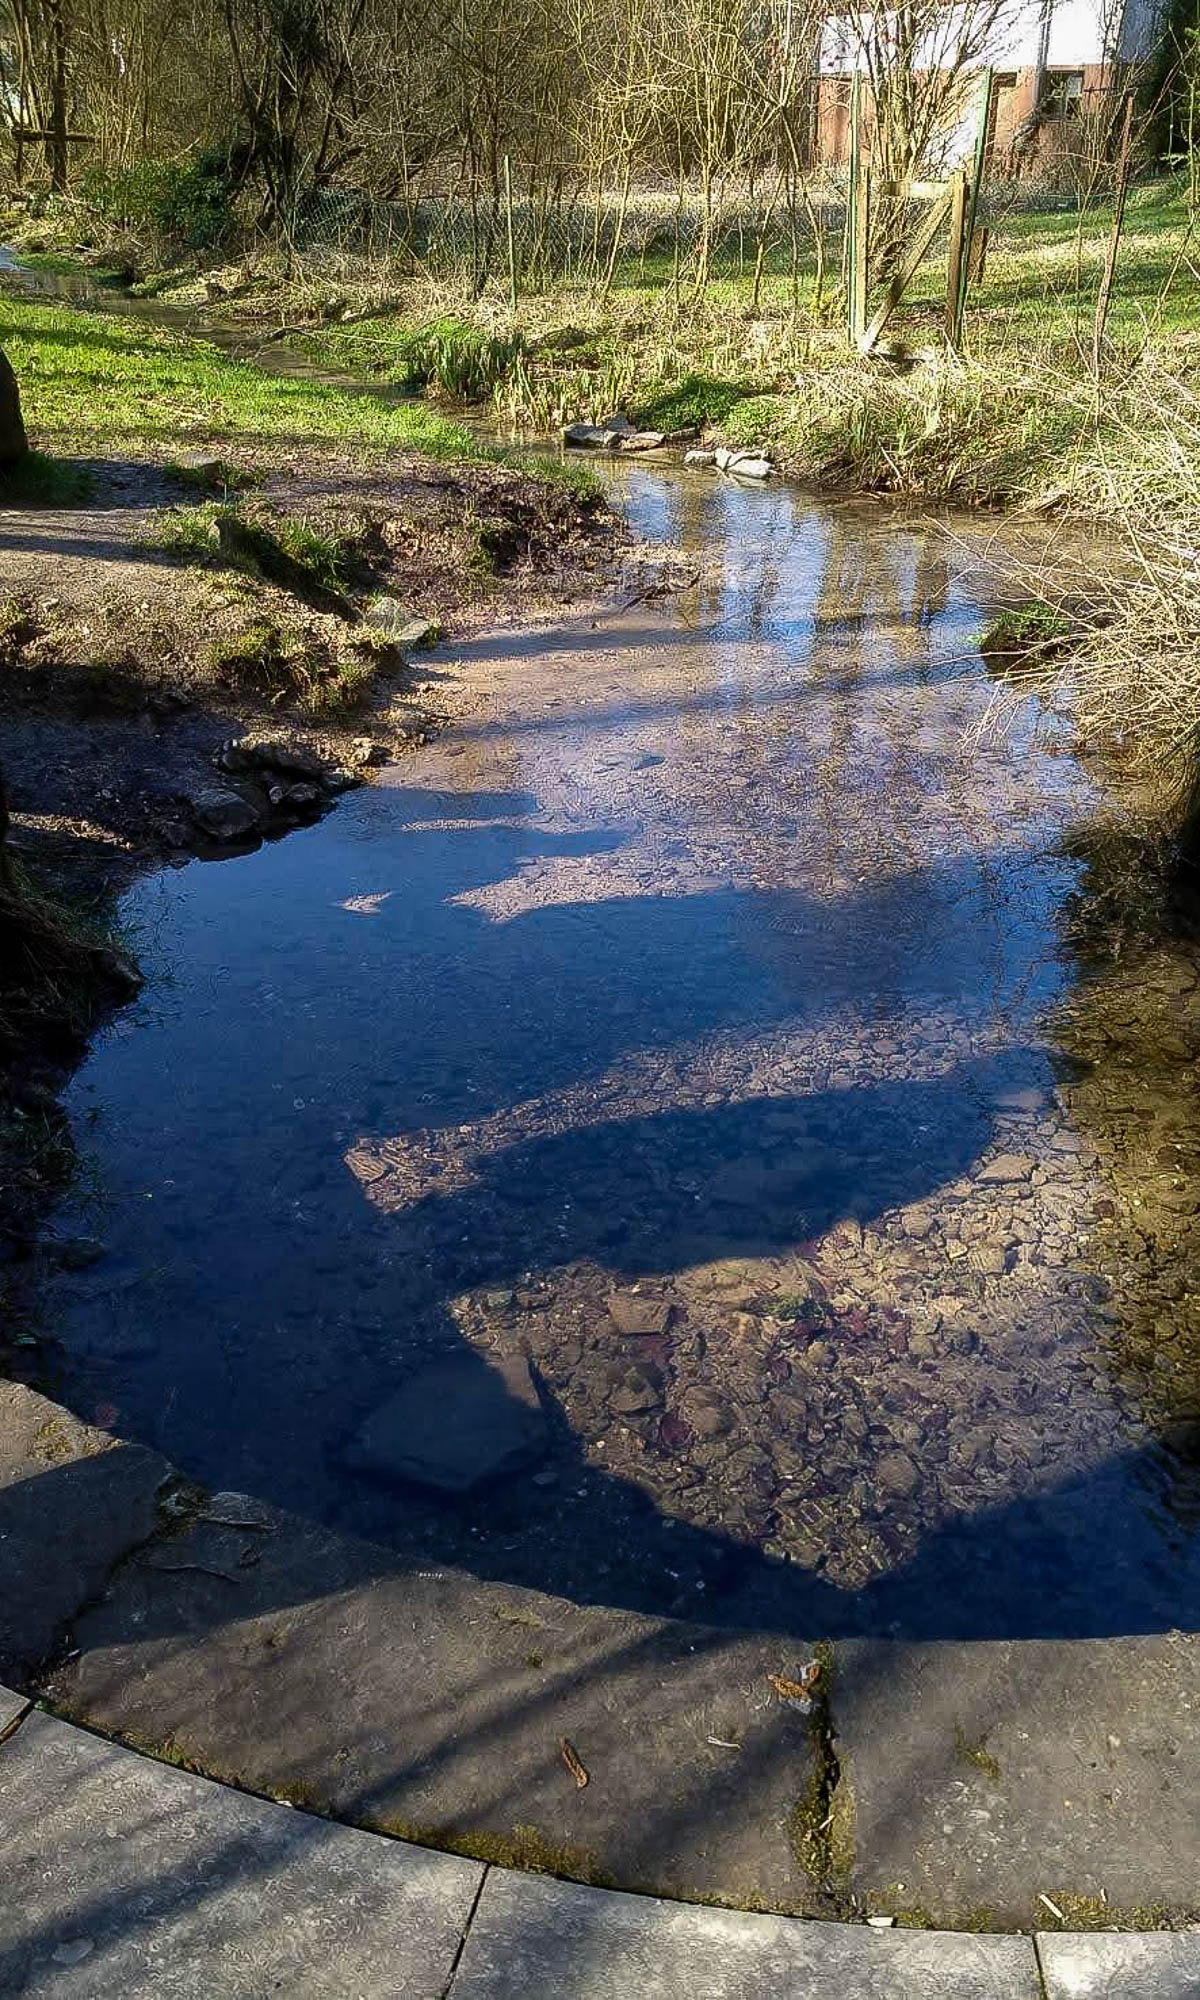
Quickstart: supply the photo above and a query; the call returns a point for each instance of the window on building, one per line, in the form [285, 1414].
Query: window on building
[1064, 93]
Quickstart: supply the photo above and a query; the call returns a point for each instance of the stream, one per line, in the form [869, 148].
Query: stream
[696, 1043]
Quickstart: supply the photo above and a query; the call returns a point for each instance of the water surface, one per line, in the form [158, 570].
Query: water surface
[716, 954]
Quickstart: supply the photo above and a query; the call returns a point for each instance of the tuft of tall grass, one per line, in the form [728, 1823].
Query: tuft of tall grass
[1130, 671]
[456, 359]
[315, 559]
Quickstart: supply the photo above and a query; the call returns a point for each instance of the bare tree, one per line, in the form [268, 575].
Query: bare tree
[920, 63]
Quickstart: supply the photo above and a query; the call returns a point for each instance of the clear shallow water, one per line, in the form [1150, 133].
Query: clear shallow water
[712, 955]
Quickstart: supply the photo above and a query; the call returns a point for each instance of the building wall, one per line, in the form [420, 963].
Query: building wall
[1078, 32]
[1011, 149]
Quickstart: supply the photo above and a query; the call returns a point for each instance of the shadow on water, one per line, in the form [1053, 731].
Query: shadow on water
[442, 1072]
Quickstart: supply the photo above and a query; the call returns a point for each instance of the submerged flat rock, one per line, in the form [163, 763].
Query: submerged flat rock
[454, 1426]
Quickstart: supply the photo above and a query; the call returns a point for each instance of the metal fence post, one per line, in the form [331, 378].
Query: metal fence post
[508, 218]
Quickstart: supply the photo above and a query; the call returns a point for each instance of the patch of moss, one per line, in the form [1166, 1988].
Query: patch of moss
[50, 1441]
[977, 1755]
[296, 1792]
[167, 1750]
[526, 1848]
[755, 420]
[212, 475]
[693, 400]
[1095, 1913]
[1032, 635]
[821, 1824]
[887, 1902]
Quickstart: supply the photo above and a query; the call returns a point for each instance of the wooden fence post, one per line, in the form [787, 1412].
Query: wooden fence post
[1114, 241]
[850, 244]
[858, 269]
[957, 303]
[862, 246]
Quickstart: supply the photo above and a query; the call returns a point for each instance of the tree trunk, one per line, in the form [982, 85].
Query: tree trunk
[13, 442]
[56, 129]
[5, 858]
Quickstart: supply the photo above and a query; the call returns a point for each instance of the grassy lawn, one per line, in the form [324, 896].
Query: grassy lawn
[1044, 272]
[1042, 276]
[112, 380]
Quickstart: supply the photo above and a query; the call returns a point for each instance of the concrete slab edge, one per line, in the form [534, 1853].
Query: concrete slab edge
[623, 1927]
[1062, 1966]
[14, 1708]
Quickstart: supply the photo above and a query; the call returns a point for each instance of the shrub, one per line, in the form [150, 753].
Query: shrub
[185, 203]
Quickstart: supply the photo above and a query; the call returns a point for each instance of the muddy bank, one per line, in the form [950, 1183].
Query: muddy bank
[167, 615]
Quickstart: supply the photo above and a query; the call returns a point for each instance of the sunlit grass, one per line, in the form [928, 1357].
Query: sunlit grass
[118, 380]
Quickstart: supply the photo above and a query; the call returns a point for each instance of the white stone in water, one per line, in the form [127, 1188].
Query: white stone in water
[746, 464]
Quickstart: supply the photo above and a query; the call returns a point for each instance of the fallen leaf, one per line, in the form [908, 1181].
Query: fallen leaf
[800, 1690]
[571, 1760]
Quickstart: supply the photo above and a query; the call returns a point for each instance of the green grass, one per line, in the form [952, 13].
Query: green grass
[213, 475]
[116, 380]
[38, 480]
[1043, 271]
[268, 657]
[312, 558]
[446, 353]
[100, 381]
[1042, 274]
[190, 532]
[1004, 426]
[1008, 424]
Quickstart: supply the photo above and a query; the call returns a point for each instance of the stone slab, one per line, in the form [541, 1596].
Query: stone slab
[123, 1876]
[72, 1503]
[12, 1707]
[538, 1940]
[435, 1706]
[1104, 1965]
[454, 1426]
[981, 1776]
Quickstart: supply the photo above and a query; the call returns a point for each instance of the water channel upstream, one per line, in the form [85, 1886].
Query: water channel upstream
[696, 1032]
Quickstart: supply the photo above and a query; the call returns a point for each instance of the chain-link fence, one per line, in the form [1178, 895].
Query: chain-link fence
[534, 240]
